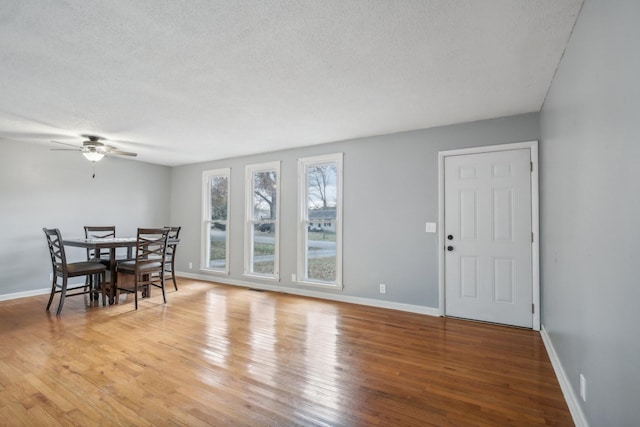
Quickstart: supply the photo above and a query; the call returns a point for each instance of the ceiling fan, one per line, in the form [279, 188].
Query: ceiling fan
[93, 149]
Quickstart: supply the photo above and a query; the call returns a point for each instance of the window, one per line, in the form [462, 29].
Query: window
[320, 220]
[262, 220]
[215, 220]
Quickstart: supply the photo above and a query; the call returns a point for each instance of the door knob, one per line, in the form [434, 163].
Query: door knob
[450, 237]
[449, 248]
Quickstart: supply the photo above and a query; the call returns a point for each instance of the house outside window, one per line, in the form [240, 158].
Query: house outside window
[320, 220]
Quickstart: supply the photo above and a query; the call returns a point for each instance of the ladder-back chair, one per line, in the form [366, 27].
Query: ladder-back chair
[99, 232]
[147, 268]
[169, 265]
[64, 270]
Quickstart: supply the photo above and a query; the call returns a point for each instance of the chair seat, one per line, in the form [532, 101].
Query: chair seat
[84, 267]
[130, 266]
[105, 261]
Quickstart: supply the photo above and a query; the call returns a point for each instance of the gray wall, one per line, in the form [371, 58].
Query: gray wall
[41, 188]
[590, 211]
[390, 191]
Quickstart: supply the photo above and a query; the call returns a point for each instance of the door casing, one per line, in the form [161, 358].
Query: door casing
[535, 220]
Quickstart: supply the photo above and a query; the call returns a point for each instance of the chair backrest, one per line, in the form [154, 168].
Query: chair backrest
[151, 248]
[174, 233]
[56, 250]
[99, 232]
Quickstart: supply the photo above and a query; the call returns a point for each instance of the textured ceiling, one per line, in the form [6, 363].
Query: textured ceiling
[189, 81]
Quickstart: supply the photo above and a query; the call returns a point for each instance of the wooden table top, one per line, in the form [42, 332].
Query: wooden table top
[107, 242]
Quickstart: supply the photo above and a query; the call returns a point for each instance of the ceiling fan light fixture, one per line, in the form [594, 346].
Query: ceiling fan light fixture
[93, 156]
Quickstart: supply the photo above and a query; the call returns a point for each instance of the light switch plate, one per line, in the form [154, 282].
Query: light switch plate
[430, 227]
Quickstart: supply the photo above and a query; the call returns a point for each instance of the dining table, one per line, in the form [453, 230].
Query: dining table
[110, 243]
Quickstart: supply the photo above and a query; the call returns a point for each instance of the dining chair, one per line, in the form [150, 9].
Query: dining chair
[99, 232]
[147, 267]
[64, 270]
[169, 263]
[103, 255]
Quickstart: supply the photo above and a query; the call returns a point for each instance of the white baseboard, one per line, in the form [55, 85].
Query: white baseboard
[430, 311]
[16, 295]
[567, 390]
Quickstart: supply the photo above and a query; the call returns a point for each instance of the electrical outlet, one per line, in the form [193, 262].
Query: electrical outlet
[50, 276]
[383, 288]
[293, 277]
[583, 388]
[190, 265]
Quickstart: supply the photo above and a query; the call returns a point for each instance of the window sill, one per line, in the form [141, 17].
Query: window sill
[212, 271]
[261, 277]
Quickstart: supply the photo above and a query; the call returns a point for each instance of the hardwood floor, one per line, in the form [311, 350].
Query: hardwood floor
[221, 355]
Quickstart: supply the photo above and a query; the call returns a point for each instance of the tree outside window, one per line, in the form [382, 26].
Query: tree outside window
[215, 220]
[261, 253]
[320, 235]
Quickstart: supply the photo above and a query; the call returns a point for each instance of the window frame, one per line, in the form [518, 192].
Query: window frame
[304, 222]
[250, 221]
[207, 221]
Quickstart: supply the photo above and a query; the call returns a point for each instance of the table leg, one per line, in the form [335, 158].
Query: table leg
[113, 275]
[146, 289]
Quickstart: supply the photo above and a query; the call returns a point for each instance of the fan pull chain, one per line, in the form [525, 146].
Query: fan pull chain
[93, 164]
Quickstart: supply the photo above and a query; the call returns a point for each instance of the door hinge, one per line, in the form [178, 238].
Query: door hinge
[531, 166]
[532, 237]
[533, 309]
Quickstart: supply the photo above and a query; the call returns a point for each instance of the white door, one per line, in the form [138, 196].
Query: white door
[488, 234]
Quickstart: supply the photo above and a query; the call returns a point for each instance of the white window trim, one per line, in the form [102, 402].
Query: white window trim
[303, 164]
[248, 221]
[206, 215]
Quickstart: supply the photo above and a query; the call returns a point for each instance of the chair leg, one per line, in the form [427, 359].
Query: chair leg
[173, 274]
[92, 288]
[113, 281]
[164, 294]
[53, 291]
[135, 291]
[63, 294]
[88, 283]
[103, 287]
[95, 288]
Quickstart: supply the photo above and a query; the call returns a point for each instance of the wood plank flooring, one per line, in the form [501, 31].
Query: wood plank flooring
[218, 355]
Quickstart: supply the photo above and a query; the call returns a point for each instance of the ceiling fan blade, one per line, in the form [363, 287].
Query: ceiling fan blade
[66, 149]
[110, 149]
[70, 145]
[121, 153]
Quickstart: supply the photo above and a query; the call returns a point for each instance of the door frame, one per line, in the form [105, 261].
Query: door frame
[535, 219]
